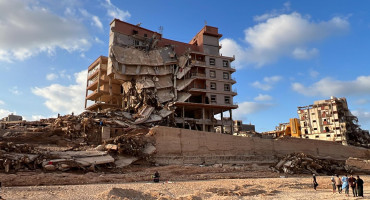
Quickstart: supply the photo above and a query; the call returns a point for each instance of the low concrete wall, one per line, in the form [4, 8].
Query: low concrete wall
[182, 146]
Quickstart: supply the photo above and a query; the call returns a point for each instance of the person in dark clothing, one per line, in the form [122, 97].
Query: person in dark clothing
[360, 187]
[338, 183]
[156, 177]
[352, 183]
[315, 184]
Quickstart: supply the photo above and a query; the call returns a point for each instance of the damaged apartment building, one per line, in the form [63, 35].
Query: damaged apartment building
[329, 120]
[158, 80]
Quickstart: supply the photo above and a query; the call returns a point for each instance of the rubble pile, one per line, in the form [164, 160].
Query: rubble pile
[358, 137]
[300, 163]
[356, 165]
[75, 142]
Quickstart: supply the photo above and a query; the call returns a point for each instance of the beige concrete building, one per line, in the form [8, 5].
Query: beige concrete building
[326, 120]
[158, 80]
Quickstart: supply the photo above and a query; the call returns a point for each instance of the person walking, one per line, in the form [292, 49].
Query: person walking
[345, 185]
[315, 184]
[352, 183]
[338, 183]
[360, 187]
[333, 183]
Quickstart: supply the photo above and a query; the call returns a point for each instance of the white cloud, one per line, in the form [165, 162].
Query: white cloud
[314, 73]
[51, 76]
[27, 29]
[5, 113]
[363, 117]
[331, 87]
[115, 12]
[282, 35]
[247, 107]
[273, 13]
[267, 83]
[65, 99]
[2, 102]
[97, 22]
[14, 90]
[263, 97]
[97, 40]
[37, 117]
[95, 19]
[304, 54]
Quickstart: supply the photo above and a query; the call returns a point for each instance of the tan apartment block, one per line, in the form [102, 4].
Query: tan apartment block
[326, 120]
[158, 79]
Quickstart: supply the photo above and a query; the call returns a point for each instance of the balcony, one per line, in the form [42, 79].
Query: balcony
[197, 75]
[198, 62]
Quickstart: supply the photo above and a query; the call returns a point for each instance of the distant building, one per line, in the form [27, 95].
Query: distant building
[240, 127]
[185, 84]
[11, 118]
[326, 120]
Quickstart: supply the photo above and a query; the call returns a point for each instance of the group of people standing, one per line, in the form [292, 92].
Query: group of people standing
[340, 184]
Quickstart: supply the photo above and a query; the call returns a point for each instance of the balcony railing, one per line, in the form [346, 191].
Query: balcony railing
[92, 81]
[198, 62]
[197, 74]
[96, 68]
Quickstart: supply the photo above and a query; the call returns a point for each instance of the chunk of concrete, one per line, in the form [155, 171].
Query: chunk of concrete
[111, 147]
[149, 149]
[50, 167]
[123, 161]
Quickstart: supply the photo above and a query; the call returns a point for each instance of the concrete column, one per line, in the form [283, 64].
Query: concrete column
[232, 122]
[213, 124]
[222, 121]
[183, 117]
[204, 117]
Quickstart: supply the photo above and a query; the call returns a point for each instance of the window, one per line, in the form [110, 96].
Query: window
[136, 42]
[145, 35]
[212, 74]
[212, 61]
[315, 129]
[135, 32]
[225, 63]
[226, 76]
[307, 137]
[213, 85]
[328, 135]
[316, 136]
[312, 113]
[227, 100]
[213, 99]
[227, 87]
[313, 121]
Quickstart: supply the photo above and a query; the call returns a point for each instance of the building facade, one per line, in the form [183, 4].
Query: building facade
[326, 120]
[158, 79]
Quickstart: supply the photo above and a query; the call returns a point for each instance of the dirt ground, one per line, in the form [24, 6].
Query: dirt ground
[250, 188]
[138, 173]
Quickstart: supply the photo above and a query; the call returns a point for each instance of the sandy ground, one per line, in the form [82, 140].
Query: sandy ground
[252, 188]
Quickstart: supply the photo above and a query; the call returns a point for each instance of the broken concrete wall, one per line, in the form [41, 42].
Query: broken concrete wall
[183, 146]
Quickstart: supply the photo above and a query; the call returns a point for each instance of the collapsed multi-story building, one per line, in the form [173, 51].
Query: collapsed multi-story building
[329, 120]
[326, 120]
[154, 79]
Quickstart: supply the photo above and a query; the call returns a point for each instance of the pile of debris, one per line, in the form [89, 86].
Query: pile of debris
[75, 142]
[300, 163]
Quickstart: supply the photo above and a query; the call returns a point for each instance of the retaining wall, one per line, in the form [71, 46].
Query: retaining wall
[182, 146]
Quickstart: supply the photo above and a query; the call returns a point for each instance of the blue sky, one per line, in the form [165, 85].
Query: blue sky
[288, 54]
